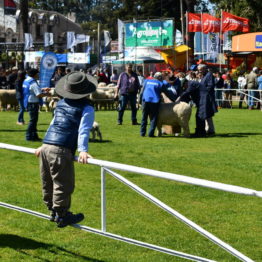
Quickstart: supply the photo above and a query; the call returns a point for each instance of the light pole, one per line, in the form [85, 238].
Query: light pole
[98, 44]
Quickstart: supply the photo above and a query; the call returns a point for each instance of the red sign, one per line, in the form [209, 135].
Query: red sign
[234, 23]
[194, 22]
[210, 23]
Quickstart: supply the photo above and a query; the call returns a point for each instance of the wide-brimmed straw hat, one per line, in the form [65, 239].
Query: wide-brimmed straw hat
[76, 85]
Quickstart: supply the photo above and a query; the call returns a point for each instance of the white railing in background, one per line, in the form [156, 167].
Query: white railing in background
[238, 92]
[106, 167]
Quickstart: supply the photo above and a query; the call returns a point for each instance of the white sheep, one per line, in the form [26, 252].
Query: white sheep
[8, 97]
[174, 114]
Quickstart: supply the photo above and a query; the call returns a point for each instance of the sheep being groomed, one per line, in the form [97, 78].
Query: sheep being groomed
[174, 114]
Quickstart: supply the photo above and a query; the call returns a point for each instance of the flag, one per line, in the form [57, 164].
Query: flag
[107, 38]
[88, 49]
[49, 39]
[9, 7]
[210, 24]
[194, 22]
[212, 46]
[70, 40]
[232, 22]
[28, 41]
[81, 38]
[121, 35]
[107, 41]
[47, 68]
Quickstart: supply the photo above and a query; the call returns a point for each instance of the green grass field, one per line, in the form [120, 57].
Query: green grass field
[234, 157]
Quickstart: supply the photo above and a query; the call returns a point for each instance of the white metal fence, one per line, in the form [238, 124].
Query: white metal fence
[239, 95]
[106, 167]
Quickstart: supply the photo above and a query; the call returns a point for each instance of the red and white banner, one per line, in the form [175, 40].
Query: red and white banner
[210, 24]
[194, 22]
[234, 23]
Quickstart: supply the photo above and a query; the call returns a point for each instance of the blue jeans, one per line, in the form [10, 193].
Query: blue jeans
[21, 111]
[31, 132]
[218, 95]
[149, 110]
[250, 99]
[123, 102]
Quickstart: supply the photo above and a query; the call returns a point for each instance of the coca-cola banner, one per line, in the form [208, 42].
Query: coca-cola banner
[194, 22]
[234, 23]
[210, 23]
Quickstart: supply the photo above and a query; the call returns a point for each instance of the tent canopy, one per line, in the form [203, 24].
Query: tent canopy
[141, 56]
[176, 56]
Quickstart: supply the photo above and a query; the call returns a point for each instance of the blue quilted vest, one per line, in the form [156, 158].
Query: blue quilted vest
[63, 130]
[26, 92]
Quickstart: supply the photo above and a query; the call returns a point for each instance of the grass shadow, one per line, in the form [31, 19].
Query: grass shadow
[21, 130]
[98, 141]
[20, 244]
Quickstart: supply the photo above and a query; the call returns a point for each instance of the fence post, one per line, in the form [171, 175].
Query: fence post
[103, 199]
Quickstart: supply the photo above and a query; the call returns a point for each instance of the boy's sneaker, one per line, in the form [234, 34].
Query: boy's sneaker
[69, 219]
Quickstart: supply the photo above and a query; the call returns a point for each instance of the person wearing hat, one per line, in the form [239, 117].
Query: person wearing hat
[32, 94]
[68, 132]
[150, 98]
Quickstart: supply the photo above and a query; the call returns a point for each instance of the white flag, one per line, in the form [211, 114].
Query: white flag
[212, 46]
[28, 41]
[49, 39]
[81, 38]
[121, 35]
[70, 40]
[107, 38]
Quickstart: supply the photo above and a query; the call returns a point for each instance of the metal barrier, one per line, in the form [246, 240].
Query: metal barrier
[240, 92]
[106, 168]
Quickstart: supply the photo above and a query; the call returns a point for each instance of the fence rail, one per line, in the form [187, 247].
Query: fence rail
[106, 167]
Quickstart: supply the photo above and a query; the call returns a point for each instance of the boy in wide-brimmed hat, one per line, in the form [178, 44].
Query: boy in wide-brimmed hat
[68, 132]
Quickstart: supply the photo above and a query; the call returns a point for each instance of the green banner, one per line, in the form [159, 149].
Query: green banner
[156, 33]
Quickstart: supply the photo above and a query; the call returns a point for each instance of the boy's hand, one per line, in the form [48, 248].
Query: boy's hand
[83, 157]
[37, 151]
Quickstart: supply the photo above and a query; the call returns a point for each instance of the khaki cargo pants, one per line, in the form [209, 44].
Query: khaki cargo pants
[58, 177]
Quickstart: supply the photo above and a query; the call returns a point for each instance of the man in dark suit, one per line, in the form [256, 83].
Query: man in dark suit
[207, 104]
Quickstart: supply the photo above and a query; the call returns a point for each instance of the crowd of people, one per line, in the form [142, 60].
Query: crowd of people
[132, 86]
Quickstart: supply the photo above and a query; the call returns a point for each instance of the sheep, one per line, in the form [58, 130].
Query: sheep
[174, 114]
[103, 97]
[8, 97]
[95, 130]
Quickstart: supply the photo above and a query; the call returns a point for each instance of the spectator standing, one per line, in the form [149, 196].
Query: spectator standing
[127, 88]
[114, 77]
[251, 86]
[141, 78]
[32, 93]
[19, 96]
[3, 79]
[68, 131]
[228, 85]
[175, 82]
[12, 78]
[58, 74]
[259, 80]
[219, 84]
[242, 84]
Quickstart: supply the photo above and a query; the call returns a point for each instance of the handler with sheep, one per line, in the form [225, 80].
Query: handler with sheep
[161, 113]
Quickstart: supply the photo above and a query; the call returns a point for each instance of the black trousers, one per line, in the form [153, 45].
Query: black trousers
[31, 132]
